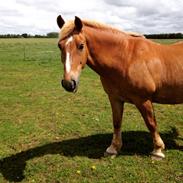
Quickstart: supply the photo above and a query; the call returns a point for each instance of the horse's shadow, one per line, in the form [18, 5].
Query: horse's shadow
[135, 142]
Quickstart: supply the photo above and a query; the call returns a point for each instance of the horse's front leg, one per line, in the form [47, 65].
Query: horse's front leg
[146, 110]
[117, 112]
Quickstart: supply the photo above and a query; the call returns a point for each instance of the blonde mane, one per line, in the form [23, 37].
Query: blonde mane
[68, 28]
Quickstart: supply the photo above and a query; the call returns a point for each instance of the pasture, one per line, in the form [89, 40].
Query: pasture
[49, 135]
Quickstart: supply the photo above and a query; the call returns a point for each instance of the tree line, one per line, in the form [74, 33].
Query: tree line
[165, 36]
[25, 35]
[55, 35]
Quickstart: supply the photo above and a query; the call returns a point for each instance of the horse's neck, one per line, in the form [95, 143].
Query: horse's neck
[104, 47]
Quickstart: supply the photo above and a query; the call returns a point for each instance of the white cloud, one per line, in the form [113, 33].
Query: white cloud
[39, 16]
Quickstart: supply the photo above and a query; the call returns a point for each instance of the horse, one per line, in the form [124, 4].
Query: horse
[132, 69]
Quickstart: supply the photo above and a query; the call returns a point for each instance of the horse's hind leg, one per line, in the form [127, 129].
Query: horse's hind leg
[117, 112]
[146, 110]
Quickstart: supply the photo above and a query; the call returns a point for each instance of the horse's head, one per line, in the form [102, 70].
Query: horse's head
[74, 53]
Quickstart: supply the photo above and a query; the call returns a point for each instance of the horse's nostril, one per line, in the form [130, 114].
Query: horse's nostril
[69, 85]
[73, 84]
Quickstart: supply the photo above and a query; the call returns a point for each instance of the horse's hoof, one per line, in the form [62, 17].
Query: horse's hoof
[157, 155]
[111, 151]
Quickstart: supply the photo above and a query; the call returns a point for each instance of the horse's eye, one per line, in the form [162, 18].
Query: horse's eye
[81, 46]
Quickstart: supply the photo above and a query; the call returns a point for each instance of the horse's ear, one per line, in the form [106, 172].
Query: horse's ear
[78, 23]
[60, 21]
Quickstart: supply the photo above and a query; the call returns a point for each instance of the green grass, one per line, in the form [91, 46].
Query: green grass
[49, 135]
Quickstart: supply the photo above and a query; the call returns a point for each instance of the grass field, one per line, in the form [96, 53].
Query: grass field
[48, 135]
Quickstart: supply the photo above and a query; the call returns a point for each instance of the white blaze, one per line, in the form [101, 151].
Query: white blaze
[68, 60]
[69, 40]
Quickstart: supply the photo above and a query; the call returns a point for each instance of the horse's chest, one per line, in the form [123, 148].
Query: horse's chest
[116, 88]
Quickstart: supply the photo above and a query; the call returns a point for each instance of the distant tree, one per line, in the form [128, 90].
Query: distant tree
[52, 35]
[39, 36]
[25, 35]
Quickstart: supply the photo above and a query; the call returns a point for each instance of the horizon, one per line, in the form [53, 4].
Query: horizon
[20, 34]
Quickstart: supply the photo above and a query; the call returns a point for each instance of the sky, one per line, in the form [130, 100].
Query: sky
[143, 16]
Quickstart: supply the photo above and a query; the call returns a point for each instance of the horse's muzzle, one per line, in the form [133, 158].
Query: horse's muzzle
[70, 86]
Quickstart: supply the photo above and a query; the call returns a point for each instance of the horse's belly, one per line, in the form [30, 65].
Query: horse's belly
[169, 95]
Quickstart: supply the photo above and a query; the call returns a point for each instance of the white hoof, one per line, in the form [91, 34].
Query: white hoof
[111, 151]
[157, 155]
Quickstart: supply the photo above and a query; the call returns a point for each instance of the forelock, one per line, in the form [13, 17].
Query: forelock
[67, 29]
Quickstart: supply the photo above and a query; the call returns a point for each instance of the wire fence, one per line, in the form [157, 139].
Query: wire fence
[35, 50]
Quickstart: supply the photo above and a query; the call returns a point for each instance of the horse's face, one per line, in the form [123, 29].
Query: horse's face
[73, 55]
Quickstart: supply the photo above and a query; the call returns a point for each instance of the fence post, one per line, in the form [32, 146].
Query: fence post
[24, 52]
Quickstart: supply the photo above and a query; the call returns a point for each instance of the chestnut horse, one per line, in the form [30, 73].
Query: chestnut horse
[132, 69]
